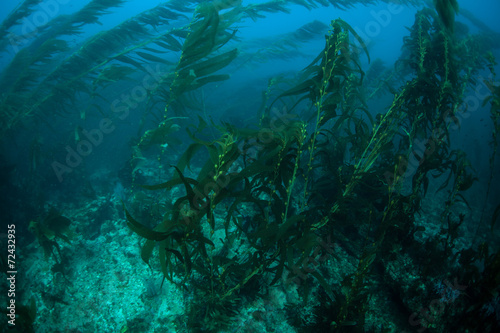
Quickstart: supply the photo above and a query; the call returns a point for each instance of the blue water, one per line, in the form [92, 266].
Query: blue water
[81, 146]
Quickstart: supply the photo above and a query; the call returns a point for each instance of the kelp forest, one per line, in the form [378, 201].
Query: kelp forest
[170, 172]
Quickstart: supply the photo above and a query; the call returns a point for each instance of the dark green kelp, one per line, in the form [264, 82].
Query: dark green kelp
[338, 196]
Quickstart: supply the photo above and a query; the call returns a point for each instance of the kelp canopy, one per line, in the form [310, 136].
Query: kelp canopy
[323, 190]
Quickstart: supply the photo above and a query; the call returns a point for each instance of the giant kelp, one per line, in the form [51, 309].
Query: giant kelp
[300, 180]
[285, 180]
[250, 208]
[56, 86]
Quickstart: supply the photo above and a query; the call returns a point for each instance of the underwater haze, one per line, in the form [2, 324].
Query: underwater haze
[250, 166]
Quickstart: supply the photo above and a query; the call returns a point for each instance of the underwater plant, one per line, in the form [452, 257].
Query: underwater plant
[320, 194]
[281, 228]
[53, 227]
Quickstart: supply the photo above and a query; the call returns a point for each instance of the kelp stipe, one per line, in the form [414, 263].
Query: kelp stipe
[321, 200]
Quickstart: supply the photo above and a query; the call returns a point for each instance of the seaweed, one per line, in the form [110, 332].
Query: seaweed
[24, 317]
[322, 194]
[285, 184]
[447, 10]
[53, 227]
